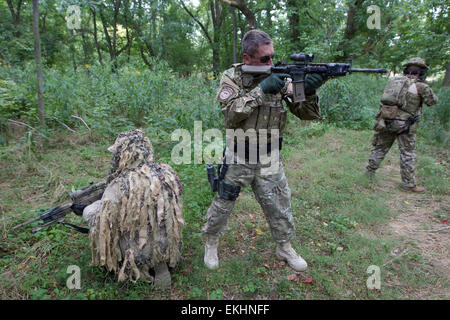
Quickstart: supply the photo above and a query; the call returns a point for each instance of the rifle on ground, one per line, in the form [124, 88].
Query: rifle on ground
[302, 67]
[80, 199]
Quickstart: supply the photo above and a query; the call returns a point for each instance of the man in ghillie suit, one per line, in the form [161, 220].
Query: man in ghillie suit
[400, 110]
[136, 228]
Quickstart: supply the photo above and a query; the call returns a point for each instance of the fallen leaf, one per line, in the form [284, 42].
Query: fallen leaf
[406, 202]
[325, 224]
[340, 248]
[319, 244]
[266, 265]
[258, 232]
[55, 284]
[444, 221]
[309, 280]
[292, 277]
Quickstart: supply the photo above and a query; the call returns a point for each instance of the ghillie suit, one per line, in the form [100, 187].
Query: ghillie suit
[137, 225]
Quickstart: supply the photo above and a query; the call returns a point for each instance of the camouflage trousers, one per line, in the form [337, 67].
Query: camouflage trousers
[272, 193]
[382, 142]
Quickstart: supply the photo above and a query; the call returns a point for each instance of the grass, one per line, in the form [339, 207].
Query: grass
[337, 212]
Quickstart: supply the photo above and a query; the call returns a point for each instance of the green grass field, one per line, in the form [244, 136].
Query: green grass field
[344, 224]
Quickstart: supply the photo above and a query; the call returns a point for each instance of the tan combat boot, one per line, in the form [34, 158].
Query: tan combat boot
[211, 259]
[416, 189]
[284, 251]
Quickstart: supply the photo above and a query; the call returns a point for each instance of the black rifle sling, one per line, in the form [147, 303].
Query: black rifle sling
[79, 229]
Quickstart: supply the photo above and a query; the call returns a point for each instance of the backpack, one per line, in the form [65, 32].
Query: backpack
[394, 96]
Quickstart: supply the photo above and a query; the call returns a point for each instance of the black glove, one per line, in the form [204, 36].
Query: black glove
[312, 82]
[78, 208]
[274, 83]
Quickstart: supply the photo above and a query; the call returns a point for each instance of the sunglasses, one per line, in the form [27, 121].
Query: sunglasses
[415, 72]
[265, 58]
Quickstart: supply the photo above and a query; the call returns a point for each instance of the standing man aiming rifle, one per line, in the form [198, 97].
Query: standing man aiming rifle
[255, 103]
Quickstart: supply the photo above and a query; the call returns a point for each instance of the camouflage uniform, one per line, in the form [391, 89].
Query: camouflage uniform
[399, 128]
[246, 107]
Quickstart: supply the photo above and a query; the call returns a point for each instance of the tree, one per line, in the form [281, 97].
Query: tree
[37, 55]
[217, 15]
[446, 82]
[249, 15]
[15, 13]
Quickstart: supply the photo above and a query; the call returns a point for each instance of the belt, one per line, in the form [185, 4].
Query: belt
[247, 148]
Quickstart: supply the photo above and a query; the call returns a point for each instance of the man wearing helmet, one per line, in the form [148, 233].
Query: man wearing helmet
[400, 110]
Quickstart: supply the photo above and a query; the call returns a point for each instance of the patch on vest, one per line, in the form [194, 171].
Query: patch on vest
[413, 89]
[225, 93]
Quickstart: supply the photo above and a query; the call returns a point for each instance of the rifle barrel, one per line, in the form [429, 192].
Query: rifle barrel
[369, 70]
[27, 222]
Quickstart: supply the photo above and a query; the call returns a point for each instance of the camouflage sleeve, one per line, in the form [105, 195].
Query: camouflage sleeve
[428, 95]
[311, 104]
[236, 104]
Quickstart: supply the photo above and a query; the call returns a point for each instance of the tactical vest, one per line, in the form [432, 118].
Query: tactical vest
[269, 115]
[401, 98]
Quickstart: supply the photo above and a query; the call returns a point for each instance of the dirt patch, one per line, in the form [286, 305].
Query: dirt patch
[420, 226]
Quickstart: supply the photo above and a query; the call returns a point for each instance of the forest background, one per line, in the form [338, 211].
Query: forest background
[72, 79]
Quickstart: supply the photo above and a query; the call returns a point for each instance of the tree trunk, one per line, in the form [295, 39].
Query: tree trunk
[37, 55]
[73, 52]
[447, 76]
[293, 22]
[350, 29]
[112, 43]
[15, 13]
[95, 37]
[233, 15]
[217, 19]
[269, 16]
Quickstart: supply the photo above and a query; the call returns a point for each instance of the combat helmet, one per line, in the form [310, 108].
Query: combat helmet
[416, 62]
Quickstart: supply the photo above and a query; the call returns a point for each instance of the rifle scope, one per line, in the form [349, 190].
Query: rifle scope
[302, 57]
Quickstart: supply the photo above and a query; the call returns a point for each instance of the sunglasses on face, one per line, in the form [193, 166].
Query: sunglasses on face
[265, 58]
[415, 72]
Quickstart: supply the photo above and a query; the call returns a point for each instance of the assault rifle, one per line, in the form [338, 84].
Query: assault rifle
[302, 67]
[80, 199]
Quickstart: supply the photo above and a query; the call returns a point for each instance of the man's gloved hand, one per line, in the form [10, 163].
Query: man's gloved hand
[274, 83]
[312, 82]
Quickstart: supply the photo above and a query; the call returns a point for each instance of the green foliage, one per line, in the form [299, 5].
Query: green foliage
[351, 101]
[131, 97]
[436, 119]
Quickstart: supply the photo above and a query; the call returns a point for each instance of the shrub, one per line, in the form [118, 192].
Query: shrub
[110, 102]
[436, 119]
[352, 101]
